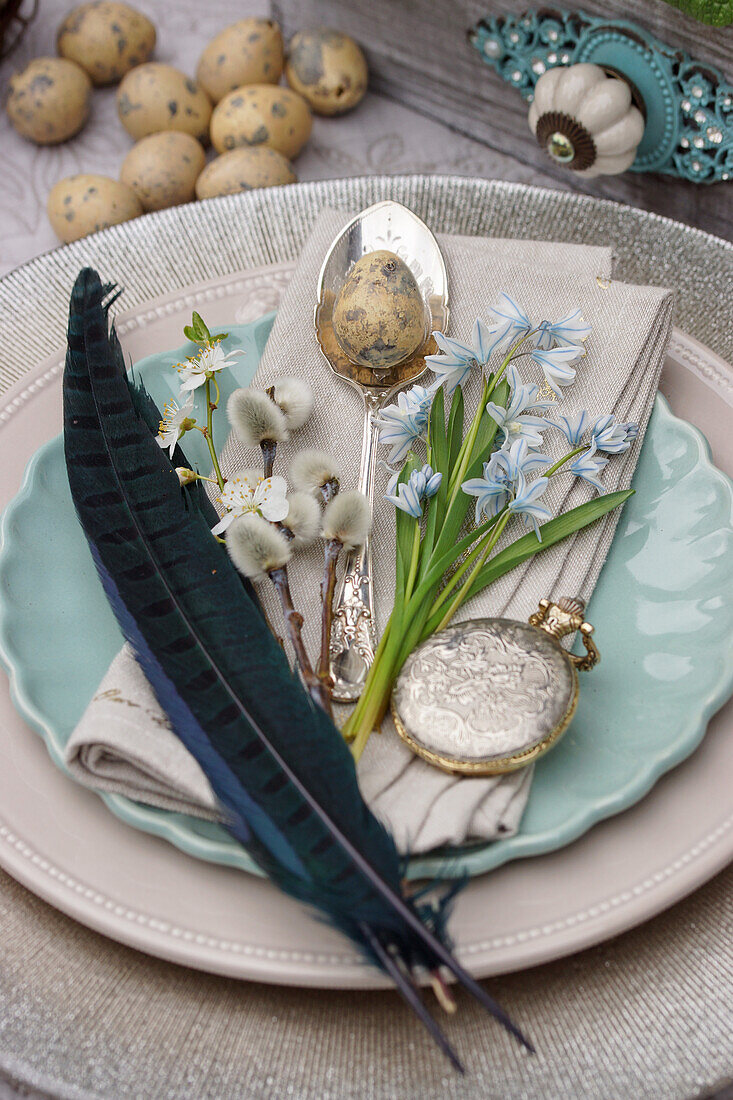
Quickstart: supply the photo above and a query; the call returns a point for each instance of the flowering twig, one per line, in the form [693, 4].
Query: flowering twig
[259, 549]
[314, 684]
[209, 434]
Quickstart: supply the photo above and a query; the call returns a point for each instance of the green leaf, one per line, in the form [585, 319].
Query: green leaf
[189, 333]
[218, 337]
[486, 436]
[437, 437]
[438, 568]
[201, 330]
[455, 426]
[405, 524]
[554, 531]
[439, 456]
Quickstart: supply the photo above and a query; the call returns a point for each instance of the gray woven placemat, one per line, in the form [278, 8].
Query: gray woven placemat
[647, 1015]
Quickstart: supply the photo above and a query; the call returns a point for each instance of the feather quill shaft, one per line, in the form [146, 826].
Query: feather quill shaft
[279, 768]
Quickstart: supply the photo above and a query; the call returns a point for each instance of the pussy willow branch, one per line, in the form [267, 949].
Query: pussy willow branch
[269, 450]
[328, 490]
[331, 553]
[294, 624]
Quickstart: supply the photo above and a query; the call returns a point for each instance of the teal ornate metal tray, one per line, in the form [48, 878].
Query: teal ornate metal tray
[687, 104]
[659, 608]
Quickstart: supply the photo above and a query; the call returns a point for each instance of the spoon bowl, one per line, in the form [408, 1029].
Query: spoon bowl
[391, 226]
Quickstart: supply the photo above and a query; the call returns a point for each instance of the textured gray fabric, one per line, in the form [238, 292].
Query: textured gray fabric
[124, 744]
[646, 1016]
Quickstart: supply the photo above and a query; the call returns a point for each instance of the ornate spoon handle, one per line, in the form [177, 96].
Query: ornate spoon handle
[353, 634]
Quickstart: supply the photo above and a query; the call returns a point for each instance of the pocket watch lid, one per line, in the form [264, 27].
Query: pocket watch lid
[485, 696]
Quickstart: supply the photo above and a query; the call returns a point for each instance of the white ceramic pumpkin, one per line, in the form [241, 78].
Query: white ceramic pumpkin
[585, 120]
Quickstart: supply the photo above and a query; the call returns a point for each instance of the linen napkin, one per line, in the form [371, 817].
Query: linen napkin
[425, 808]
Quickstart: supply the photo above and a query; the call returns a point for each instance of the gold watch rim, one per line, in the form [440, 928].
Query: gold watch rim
[492, 766]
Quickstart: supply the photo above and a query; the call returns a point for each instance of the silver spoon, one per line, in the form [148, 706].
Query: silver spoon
[386, 225]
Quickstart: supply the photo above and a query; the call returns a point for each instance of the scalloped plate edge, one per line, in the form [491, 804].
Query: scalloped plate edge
[485, 858]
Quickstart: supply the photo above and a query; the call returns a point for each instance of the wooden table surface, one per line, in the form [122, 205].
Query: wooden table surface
[381, 136]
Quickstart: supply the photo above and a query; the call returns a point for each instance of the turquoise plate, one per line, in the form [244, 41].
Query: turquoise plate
[663, 623]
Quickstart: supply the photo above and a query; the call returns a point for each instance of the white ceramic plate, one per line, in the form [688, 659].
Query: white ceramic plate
[62, 842]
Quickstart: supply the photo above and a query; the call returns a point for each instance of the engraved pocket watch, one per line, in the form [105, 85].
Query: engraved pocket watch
[489, 696]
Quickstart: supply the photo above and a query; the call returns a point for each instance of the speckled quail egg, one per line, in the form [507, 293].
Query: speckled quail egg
[106, 38]
[155, 97]
[379, 316]
[48, 101]
[261, 114]
[328, 69]
[248, 52]
[244, 170]
[162, 169]
[79, 205]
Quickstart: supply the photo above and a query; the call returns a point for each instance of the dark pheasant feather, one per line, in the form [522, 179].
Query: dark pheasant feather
[281, 771]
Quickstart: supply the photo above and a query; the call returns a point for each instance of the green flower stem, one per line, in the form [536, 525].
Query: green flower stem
[464, 455]
[209, 434]
[371, 705]
[465, 590]
[402, 635]
[461, 571]
[352, 723]
[525, 547]
[382, 675]
[412, 636]
[561, 461]
[414, 560]
[466, 564]
[375, 696]
[509, 356]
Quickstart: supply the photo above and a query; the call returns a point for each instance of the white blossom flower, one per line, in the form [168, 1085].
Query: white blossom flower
[525, 502]
[491, 495]
[611, 436]
[176, 420]
[401, 424]
[511, 315]
[411, 495]
[568, 330]
[587, 466]
[555, 364]
[514, 460]
[572, 425]
[514, 421]
[200, 368]
[454, 366]
[248, 491]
